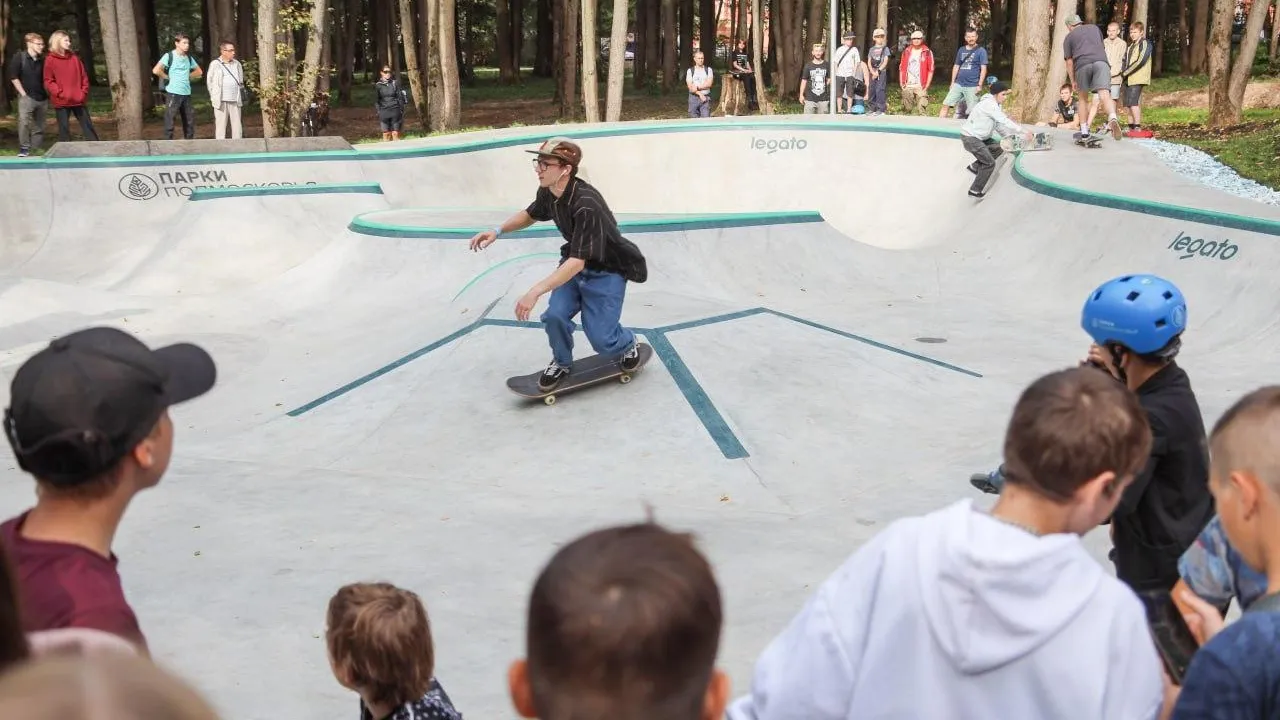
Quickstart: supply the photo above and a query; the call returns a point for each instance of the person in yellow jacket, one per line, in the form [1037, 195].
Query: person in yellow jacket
[1136, 74]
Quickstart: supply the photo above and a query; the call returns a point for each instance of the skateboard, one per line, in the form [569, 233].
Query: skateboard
[1094, 141]
[1017, 143]
[585, 372]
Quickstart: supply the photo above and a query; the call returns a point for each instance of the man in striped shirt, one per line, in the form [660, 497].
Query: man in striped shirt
[596, 263]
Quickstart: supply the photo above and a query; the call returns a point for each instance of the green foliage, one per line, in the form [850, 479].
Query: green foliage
[284, 95]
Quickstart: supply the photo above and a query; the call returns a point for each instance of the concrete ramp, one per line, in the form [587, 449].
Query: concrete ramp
[840, 335]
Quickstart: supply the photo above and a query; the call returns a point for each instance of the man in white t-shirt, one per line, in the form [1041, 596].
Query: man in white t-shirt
[699, 80]
[847, 61]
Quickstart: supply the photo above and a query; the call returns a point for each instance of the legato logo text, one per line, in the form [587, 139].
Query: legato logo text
[1188, 247]
[772, 146]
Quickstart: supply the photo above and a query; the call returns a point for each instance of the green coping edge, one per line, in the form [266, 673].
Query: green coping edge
[362, 225]
[1094, 198]
[531, 139]
[214, 193]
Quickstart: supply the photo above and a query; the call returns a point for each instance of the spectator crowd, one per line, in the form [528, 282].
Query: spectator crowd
[961, 612]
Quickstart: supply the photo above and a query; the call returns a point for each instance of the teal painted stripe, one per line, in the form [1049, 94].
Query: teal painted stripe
[874, 343]
[363, 225]
[214, 193]
[1093, 198]
[498, 265]
[697, 398]
[710, 320]
[366, 379]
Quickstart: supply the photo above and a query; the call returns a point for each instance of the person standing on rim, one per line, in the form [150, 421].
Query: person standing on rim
[596, 262]
[1089, 71]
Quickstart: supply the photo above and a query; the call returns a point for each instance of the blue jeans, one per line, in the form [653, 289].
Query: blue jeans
[598, 295]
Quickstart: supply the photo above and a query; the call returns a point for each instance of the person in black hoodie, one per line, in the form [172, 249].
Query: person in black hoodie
[390, 104]
[1136, 322]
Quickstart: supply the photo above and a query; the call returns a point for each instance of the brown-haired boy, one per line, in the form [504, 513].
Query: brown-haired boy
[624, 624]
[379, 642]
[972, 613]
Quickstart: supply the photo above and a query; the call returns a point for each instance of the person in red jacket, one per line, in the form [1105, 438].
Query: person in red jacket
[915, 72]
[68, 85]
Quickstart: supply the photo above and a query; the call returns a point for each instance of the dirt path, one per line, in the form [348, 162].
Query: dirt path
[1257, 94]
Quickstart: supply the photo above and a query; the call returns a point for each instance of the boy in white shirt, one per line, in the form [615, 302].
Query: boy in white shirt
[978, 135]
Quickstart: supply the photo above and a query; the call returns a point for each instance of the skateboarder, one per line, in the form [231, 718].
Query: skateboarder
[977, 135]
[596, 263]
[1089, 71]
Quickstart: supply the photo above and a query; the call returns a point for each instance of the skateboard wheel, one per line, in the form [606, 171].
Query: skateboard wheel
[550, 399]
[624, 379]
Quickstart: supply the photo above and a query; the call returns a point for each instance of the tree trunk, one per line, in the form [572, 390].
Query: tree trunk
[817, 27]
[223, 24]
[1184, 37]
[707, 26]
[617, 62]
[120, 43]
[316, 33]
[502, 19]
[567, 64]
[1091, 12]
[435, 77]
[1220, 110]
[1057, 64]
[640, 63]
[246, 49]
[267, 10]
[591, 83]
[995, 34]
[882, 16]
[413, 66]
[451, 91]
[668, 44]
[517, 36]
[771, 63]
[1199, 36]
[653, 21]
[1162, 31]
[686, 36]
[6, 11]
[1275, 33]
[1032, 67]
[544, 49]
[757, 60]
[148, 49]
[1140, 13]
[84, 41]
[1244, 59]
[861, 18]
[784, 48]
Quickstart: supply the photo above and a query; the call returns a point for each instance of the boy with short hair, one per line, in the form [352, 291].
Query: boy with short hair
[1236, 673]
[88, 417]
[379, 643]
[1113, 45]
[1000, 613]
[1136, 75]
[624, 624]
[1066, 115]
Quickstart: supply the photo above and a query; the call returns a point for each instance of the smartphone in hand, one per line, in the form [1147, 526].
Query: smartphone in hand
[1173, 639]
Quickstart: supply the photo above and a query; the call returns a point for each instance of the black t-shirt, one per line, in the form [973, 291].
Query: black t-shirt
[30, 72]
[592, 232]
[818, 75]
[742, 58]
[1168, 504]
[1068, 112]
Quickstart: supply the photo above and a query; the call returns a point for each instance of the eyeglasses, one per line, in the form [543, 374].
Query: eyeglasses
[543, 164]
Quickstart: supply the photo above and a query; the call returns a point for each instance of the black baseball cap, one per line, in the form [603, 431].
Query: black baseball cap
[81, 404]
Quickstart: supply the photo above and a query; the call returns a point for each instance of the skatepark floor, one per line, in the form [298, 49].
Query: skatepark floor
[840, 333]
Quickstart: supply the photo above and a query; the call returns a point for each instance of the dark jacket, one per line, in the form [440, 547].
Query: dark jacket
[1168, 504]
[390, 100]
[66, 80]
[30, 72]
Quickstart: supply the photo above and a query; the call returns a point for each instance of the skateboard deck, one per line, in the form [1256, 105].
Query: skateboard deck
[1094, 141]
[588, 371]
[1017, 143]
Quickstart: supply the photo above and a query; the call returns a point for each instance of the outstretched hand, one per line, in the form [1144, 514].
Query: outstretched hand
[483, 240]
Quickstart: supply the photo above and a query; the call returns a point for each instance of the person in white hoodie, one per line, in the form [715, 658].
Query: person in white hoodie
[978, 135]
[965, 613]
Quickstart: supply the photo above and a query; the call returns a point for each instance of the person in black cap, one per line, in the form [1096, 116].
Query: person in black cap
[596, 262]
[978, 135]
[88, 417]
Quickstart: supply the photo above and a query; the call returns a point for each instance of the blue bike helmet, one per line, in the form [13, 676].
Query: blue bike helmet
[1143, 313]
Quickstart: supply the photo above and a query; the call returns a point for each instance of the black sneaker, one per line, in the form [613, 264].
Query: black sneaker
[23, 152]
[631, 358]
[552, 376]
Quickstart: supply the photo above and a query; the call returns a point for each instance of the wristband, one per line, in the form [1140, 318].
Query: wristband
[497, 231]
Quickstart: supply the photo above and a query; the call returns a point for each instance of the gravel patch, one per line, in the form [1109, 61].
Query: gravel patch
[1204, 169]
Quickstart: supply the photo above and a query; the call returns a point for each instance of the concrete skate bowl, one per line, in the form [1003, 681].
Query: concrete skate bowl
[840, 335]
